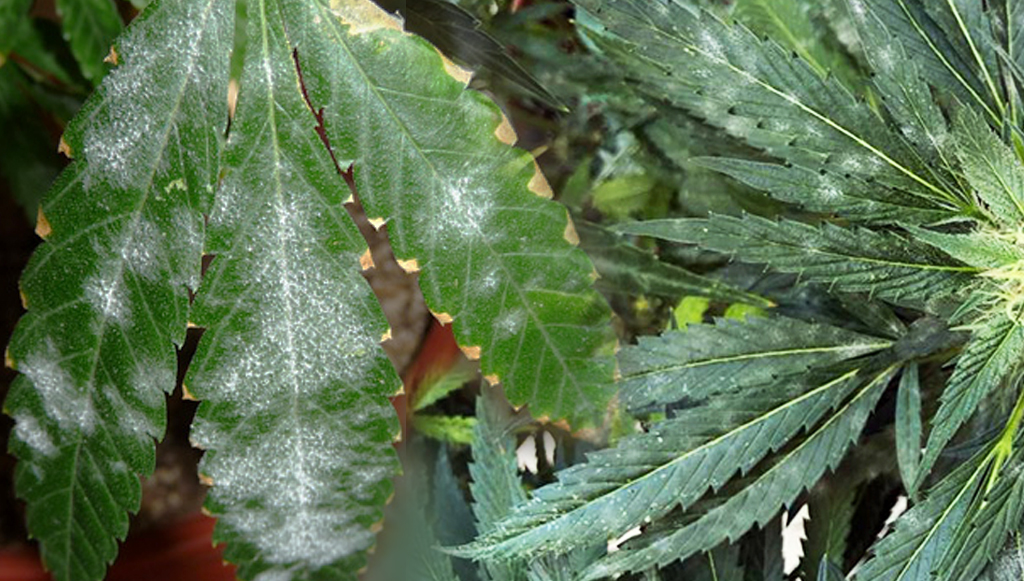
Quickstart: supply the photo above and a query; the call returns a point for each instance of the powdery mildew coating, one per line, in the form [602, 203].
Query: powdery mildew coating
[64, 402]
[294, 382]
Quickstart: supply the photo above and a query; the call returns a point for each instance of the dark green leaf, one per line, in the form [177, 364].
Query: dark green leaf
[90, 27]
[124, 229]
[988, 359]
[759, 498]
[851, 260]
[908, 425]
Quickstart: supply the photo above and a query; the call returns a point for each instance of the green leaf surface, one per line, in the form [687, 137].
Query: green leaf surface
[295, 418]
[908, 425]
[998, 513]
[759, 498]
[124, 230]
[992, 354]
[910, 26]
[755, 91]
[992, 169]
[13, 14]
[703, 360]
[921, 536]
[845, 195]
[977, 249]
[847, 259]
[90, 27]
[626, 268]
[461, 205]
[671, 466]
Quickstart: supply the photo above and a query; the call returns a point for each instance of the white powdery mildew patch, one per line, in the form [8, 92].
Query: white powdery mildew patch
[287, 488]
[464, 209]
[63, 401]
[105, 291]
[121, 142]
[129, 419]
[142, 249]
[510, 323]
[28, 430]
[187, 241]
[151, 381]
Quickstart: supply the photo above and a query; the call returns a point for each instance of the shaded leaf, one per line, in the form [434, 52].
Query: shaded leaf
[850, 260]
[908, 425]
[90, 27]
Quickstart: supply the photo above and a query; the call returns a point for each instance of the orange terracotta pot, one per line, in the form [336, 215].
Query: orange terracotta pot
[182, 551]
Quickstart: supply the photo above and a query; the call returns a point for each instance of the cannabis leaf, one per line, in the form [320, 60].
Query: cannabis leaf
[124, 240]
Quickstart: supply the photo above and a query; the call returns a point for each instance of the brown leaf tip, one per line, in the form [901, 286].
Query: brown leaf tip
[570, 234]
[64, 148]
[409, 266]
[366, 260]
[539, 184]
[386, 336]
[8, 360]
[112, 57]
[43, 229]
[492, 379]
[471, 353]
[186, 394]
[377, 223]
[443, 318]
[505, 133]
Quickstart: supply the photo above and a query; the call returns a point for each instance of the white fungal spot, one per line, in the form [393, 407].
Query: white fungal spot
[64, 402]
[141, 250]
[28, 430]
[105, 291]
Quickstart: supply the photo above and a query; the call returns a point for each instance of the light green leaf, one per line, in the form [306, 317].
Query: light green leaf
[979, 249]
[992, 354]
[908, 425]
[703, 360]
[850, 260]
[90, 27]
[124, 229]
[991, 168]
[454, 429]
[759, 498]
[690, 311]
[461, 205]
[295, 418]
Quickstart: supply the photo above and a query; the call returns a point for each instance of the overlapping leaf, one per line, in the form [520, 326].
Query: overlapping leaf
[108, 293]
[993, 353]
[461, 205]
[730, 355]
[90, 26]
[647, 475]
[759, 498]
[848, 259]
[295, 418]
[756, 92]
